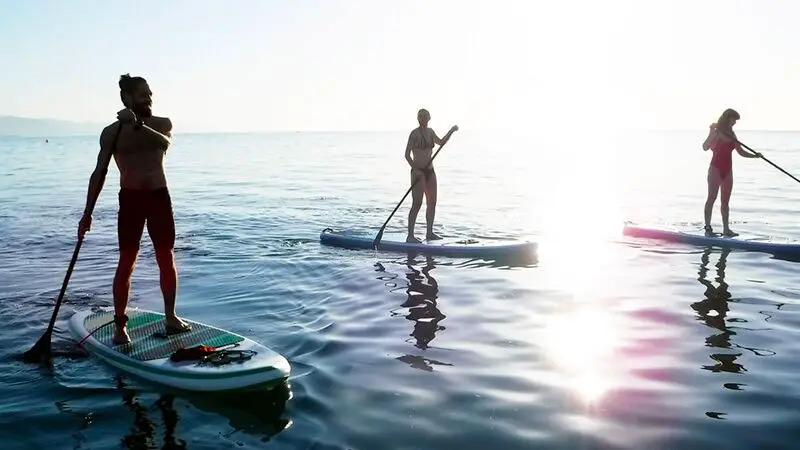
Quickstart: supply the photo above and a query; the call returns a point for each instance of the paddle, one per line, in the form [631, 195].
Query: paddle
[40, 351]
[765, 159]
[380, 232]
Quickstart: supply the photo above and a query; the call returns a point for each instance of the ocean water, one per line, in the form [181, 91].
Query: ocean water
[600, 341]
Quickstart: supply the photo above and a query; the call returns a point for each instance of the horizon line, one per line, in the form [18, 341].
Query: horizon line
[309, 130]
[387, 130]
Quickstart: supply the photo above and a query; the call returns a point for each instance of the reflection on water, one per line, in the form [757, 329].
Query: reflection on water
[422, 294]
[713, 310]
[580, 342]
[143, 433]
[254, 412]
[418, 362]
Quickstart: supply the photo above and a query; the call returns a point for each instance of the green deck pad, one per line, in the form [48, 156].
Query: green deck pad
[144, 346]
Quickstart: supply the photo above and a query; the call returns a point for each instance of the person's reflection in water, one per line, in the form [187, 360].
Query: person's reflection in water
[423, 291]
[258, 413]
[143, 434]
[713, 310]
[170, 417]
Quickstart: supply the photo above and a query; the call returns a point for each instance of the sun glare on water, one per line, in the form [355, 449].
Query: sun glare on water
[579, 232]
[580, 226]
[582, 344]
[583, 210]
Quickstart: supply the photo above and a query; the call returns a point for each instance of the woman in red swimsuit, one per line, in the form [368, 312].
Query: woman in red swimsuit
[722, 141]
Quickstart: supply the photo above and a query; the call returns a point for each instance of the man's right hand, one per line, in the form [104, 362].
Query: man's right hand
[84, 225]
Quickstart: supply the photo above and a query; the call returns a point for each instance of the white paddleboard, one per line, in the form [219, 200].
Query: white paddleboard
[249, 365]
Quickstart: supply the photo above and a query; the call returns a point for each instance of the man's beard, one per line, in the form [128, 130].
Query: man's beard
[142, 111]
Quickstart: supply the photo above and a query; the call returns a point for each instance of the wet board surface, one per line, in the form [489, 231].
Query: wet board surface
[448, 246]
[698, 237]
[148, 353]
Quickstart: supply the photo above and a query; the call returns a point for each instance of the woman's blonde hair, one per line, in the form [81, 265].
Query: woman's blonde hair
[723, 124]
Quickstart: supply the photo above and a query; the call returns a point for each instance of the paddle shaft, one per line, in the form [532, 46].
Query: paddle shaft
[380, 232]
[89, 210]
[64, 285]
[767, 160]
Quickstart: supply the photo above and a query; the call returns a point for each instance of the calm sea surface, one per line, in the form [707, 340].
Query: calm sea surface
[601, 342]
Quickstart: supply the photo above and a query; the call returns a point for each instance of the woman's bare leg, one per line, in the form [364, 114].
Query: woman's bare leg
[430, 207]
[416, 204]
[713, 189]
[727, 188]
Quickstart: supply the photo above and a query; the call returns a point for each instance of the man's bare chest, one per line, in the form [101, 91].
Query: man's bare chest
[134, 143]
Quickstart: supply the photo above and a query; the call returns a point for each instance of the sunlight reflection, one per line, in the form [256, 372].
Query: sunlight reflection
[583, 345]
[578, 231]
[586, 208]
[580, 221]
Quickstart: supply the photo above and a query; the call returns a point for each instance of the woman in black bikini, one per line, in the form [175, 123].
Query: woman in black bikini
[420, 143]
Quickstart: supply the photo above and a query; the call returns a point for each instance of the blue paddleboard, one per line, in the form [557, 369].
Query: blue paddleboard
[698, 237]
[459, 247]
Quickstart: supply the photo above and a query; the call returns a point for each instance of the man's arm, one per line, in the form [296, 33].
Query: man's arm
[98, 177]
[159, 133]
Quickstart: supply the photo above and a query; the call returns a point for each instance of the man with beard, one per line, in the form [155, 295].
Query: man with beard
[142, 141]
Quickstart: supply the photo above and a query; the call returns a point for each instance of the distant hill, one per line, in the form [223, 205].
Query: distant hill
[31, 127]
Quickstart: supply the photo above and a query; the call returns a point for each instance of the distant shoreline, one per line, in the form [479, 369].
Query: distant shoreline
[95, 134]
[27, 127]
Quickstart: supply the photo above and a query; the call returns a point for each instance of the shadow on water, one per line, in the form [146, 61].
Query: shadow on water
[257, 413]
[421, 304]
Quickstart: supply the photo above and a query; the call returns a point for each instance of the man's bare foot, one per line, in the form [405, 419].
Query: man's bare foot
[709, 231]
[174, 324]
[729, 233]
[432, 236]
[121, 336]
[412, 240]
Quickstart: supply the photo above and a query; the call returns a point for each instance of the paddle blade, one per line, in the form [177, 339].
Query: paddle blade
[40, 352]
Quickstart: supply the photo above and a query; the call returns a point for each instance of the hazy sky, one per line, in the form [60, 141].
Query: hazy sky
[370, 64]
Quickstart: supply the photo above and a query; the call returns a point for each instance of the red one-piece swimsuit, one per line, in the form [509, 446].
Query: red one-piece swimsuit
[723, 157]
